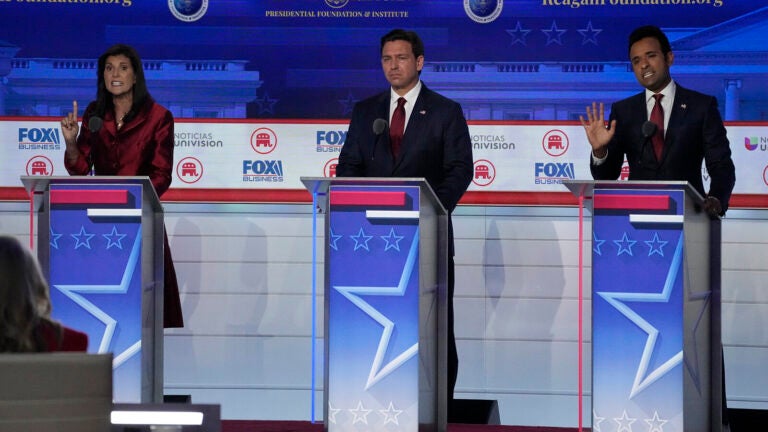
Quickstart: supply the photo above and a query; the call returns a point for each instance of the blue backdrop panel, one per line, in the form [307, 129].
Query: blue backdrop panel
[322, 40]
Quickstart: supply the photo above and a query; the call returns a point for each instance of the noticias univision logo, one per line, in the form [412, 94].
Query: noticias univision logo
[750, 143]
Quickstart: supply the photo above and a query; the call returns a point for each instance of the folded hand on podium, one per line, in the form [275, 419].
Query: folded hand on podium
[712, 206]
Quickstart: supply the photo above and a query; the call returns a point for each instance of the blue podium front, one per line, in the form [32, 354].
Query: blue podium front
[98, 246]
[385, 306]
[655, 309]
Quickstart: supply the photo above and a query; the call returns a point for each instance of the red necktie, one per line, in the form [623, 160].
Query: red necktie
[397, 126]
[657, 116]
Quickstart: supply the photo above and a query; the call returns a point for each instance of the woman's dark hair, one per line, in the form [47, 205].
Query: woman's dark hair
[140, 93]
[651, 32]
[25, 301]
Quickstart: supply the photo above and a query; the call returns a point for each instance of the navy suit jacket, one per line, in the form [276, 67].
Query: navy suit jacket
[436, 145]
[695, 133]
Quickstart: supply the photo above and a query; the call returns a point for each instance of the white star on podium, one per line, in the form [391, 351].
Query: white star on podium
[625, 423]
[655, 423]
[390, 414]
[617, 299]
[110, 323]
[379, 371]
[360, 413]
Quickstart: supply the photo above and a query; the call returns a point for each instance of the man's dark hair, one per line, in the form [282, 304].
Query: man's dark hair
[652, 32]
[140, 92]
[417, 46]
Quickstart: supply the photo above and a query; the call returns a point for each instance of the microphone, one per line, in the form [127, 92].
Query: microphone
[379, 126]
[648, 129]
[94, 125]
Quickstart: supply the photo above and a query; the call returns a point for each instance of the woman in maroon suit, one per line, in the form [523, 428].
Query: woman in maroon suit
[126, 133]
[25, 306]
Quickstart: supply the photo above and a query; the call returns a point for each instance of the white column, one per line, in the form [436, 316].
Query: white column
[732, 98]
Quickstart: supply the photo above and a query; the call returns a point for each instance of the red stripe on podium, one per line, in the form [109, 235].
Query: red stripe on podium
[631, 202]
[379, 199]
[89, 196]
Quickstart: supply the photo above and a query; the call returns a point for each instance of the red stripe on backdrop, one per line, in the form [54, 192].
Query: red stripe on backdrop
[302, 196]
[92, 196]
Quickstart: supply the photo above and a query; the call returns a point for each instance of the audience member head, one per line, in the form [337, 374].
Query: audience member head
[24, 298]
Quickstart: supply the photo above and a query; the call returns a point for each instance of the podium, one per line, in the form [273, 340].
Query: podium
[386, 257]
[656, 338]
[100, 246]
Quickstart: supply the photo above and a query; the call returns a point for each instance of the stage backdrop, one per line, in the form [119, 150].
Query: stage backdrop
[261, 89]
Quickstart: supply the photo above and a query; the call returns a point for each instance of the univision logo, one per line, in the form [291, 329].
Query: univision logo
[752, 143]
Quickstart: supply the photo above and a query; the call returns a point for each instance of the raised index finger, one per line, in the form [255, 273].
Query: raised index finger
[74, 108]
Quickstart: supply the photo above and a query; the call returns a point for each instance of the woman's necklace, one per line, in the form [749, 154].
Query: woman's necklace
[120, 121]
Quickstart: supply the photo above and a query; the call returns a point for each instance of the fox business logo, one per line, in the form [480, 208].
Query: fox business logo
[263, 171]
[329, 141]
[553, 173]
[39, 139]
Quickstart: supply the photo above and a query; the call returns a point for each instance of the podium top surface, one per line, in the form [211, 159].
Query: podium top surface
[587, 187]
[319, 186]
[39, 184]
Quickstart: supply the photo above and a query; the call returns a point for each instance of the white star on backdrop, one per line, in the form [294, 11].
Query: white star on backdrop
[554, 34]
[518, 34]
[590, 34]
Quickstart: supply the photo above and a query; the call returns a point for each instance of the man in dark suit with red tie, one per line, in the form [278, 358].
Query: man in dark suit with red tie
[427, 137]
[666, 132]
[688, 128]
